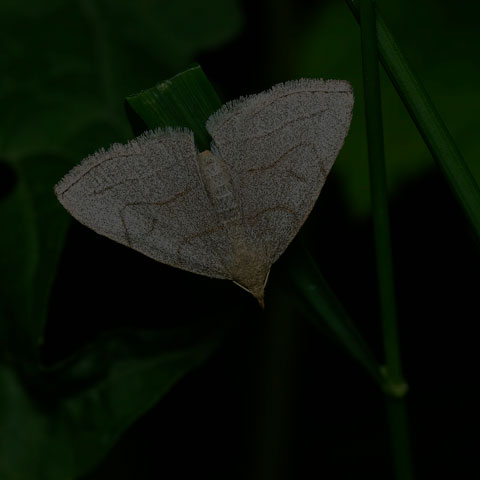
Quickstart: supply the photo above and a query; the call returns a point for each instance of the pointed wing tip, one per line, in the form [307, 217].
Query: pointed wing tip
[261, 302]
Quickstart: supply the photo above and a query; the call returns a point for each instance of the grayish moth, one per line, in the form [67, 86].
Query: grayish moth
[228, 212]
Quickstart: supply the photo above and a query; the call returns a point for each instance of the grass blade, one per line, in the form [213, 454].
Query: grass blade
[397, 413]
[427, 119]
[324, 309]
[378, 188]
[185, 100]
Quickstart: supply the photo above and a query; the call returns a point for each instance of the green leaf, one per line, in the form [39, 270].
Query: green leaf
[35, 226]
[89, 55]
[66, 67]
[186, 100]
[69, 418]
[18, 260]
[50, 223]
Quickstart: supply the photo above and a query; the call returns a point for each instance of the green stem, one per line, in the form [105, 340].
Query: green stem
[396, 386]
[428, 121]
[400, 438]
[276, 383]
[379, 193]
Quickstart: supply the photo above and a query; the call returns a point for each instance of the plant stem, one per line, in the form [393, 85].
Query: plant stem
[378, 189]
[396, 386]
[400, 438]
[276, 386]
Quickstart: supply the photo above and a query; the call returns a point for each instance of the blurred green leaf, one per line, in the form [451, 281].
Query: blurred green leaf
[18, 259]
[34, 226]
[65, 68]
[69, 63]
[64, 423]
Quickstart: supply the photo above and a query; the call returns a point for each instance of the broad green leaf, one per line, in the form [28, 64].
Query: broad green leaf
[66, 67]
[70, 62]
[72, 414]
[18, 261]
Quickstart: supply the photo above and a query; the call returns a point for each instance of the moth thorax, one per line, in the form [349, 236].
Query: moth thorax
[218, 184]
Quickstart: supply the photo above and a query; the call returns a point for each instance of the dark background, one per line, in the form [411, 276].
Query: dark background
[67, 68]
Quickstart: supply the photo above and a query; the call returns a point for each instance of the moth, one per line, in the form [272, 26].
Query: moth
[228, 212]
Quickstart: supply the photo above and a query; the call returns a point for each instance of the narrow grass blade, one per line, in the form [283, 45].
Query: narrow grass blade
[325, 311]
[427, 120]
[185, 100]
[378, 188]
